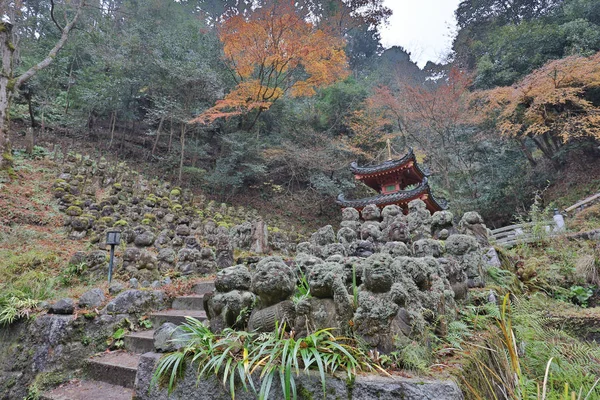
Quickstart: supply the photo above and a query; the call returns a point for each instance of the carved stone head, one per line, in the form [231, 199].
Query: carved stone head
[397, 231]
[233, 278]
[391, 211]
[371, 213]
[427, 248]
[416, 205]
[273, 281]
[321, 278]
[378, 276]
[350, 214]
[442, 220]
[362, 248]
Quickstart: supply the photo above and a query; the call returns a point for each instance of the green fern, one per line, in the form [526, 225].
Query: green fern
[458, 331]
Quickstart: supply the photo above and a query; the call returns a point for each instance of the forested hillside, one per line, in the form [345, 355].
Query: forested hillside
[268, 104]
[168, 180]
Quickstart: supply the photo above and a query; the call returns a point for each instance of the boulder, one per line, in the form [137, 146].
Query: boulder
[165, 338]
[183, 230]
[92, 298]
[371, 213]
[323, 236]
[63, 306]
[237, 277]
[167, 255]
[144, 239]
[136, 301]
[116, 287]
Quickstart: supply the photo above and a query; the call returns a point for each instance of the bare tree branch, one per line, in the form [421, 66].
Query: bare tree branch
[60, 28]
[52, 54]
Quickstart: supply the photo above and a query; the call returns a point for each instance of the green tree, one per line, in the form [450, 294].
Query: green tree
[11, 82]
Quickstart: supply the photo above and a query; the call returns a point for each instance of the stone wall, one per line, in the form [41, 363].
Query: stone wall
[308, 387]
[49, 349]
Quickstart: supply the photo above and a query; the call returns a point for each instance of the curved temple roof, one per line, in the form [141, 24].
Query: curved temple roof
[384, 199]
[388, 165]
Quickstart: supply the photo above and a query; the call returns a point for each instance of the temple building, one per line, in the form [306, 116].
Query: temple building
[398, 181]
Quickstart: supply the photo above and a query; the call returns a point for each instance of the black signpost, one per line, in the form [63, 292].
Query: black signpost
[113, 238]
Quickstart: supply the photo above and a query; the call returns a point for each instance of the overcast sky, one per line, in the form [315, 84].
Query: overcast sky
[423, 27]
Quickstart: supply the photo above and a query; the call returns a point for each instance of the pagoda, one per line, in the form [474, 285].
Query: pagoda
[398, 181]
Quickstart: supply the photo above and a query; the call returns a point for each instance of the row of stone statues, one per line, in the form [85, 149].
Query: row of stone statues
[163, 227]
[386, 277]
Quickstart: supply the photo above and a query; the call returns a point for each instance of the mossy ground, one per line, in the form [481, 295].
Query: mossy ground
[34, 249]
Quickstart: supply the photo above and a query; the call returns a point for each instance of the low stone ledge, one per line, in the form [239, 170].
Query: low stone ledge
[309, 387]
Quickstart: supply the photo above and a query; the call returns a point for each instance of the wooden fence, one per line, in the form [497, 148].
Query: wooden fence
[512, 235]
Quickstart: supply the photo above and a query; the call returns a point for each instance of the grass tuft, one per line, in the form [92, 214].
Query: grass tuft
[248, 359]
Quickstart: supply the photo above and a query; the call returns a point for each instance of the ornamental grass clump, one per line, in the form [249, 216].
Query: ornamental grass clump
[522, 358]
[250, 359]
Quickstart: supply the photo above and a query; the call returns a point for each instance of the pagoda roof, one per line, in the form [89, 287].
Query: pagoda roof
[402, 196]
[389, 165]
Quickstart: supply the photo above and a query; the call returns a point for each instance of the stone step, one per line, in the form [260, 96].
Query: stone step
[139, 342]
[88, 390]
[203, 287]
[176, 317]
[194, 302]
[116, 367]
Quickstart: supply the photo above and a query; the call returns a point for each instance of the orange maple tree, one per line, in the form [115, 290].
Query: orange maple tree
[554, 104]
[272, 52]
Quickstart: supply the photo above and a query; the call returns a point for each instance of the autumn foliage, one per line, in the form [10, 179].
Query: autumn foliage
[553, 105]
[428, 116]
[272, 52]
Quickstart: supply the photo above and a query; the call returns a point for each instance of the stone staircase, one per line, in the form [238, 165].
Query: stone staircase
[111, 376]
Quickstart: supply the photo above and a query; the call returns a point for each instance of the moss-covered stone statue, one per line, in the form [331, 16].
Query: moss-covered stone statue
[274, 283]
[329, 305]
[371, 228]
[442, 225]
[466, 251]
[379, 303]
[229, 305]
[419, 220]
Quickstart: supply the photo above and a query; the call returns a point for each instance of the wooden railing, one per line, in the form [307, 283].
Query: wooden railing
[583, 202]
[512, 235]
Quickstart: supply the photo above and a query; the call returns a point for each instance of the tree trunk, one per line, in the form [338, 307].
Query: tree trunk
[527, 153]
[6, 91]
[183, 129]
[30, 108]
[69, 87]
[549, 144]
[43, 128]
[113, 122]
[548, 153]
[8, 84]
[123, 137]
[171, 136]
[160, 124]
[29, 140]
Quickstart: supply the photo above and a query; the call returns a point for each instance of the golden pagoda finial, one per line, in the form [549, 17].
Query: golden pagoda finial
[389, 149]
